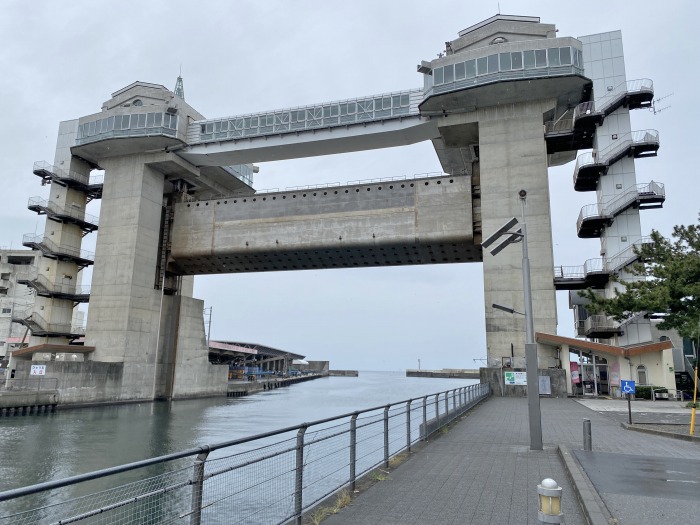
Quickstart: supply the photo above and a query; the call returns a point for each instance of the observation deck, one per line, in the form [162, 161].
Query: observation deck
[51, 250]
[91, 185]
[506, 73]
[86, 222]
[132, 129]
[592, 218]
[592, 165]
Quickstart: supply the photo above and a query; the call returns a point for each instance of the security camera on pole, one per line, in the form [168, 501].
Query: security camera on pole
[533, 394]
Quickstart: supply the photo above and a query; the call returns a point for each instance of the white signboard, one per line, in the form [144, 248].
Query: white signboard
[515, 378]
[38, 370]
[545, 385]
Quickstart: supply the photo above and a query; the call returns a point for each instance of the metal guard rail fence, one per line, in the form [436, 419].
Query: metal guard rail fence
[274, 477]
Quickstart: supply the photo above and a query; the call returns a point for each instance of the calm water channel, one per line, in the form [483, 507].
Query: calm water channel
[42, 447]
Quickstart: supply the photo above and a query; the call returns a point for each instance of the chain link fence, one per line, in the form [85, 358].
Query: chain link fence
[270, 478]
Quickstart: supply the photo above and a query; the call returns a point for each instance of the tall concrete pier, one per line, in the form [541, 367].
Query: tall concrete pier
[506, 100]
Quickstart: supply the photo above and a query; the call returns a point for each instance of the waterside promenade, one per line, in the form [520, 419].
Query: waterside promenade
[482, 471]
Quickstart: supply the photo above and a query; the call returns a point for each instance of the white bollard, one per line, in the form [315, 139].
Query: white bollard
[549, 493]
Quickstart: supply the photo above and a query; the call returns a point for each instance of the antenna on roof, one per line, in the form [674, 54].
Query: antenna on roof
[179, 87]
[655, 109]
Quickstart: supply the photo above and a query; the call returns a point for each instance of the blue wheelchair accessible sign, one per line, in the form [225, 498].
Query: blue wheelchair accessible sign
[627, 386]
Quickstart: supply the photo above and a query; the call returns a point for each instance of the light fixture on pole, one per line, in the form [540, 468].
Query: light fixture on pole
[513, 236]
[506, 309]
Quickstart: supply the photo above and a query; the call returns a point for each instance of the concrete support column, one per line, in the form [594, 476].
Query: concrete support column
[124, 319]
[512, 157]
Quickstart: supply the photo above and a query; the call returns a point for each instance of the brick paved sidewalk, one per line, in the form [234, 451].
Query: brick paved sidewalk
[482, 470]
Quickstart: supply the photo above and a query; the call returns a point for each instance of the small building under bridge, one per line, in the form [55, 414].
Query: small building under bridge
[250, 360]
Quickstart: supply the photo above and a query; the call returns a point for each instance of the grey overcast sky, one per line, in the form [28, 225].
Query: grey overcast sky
[60, 60]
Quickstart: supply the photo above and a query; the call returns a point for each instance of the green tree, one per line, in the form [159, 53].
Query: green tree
[671, 268]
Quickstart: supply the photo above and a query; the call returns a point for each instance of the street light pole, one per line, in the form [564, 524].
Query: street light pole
[531, 365]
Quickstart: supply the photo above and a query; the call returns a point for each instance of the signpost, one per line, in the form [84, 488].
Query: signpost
[628, 387]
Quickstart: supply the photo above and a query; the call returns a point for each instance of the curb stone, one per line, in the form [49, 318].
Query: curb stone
[594, 510]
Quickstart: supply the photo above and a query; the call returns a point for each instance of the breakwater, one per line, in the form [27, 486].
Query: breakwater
[450, 373]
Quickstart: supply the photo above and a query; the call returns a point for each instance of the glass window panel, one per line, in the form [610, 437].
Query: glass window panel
[125, 121]
[327, 111]
[459, 71]
[579, 54]
[351, 108]
[504, 59]
[540, 58]
[481, 66]
[553, 56]
[343, 110]
[91, 129]
[254, 122]
[159, 120]
[142, 120]
[565, 56]
[529, 59]
[438, 76]
[493, 63]
[396, 101]
[301, 115]
[110, 123]
[449, 74]
[405, 100]
[470, 66]
[101, 126]
[117, 122]
[387, 102]
[269, 120]
[377, 104]
[150, 120]
[516, 60]
[210, 127]
[334, 111]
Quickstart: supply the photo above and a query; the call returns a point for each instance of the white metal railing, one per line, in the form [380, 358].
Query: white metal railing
[614, 150]
[598, 323]
[615, 97]
[88, 180]
[640, 192]
[52, 287]
[602, 265]
[52, 247]
[603, 106]
[324, 115]
[74, 213]
[399, 178]
[291, 470]
[627, 256]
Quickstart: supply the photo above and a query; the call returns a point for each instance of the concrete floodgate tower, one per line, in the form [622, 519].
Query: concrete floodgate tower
[506, 100]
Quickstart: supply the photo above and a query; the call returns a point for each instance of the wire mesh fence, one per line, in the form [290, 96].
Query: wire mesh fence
[271, 478]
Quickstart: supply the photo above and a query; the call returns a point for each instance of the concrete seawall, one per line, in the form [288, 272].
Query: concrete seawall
[343, 373]
[245, 388]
